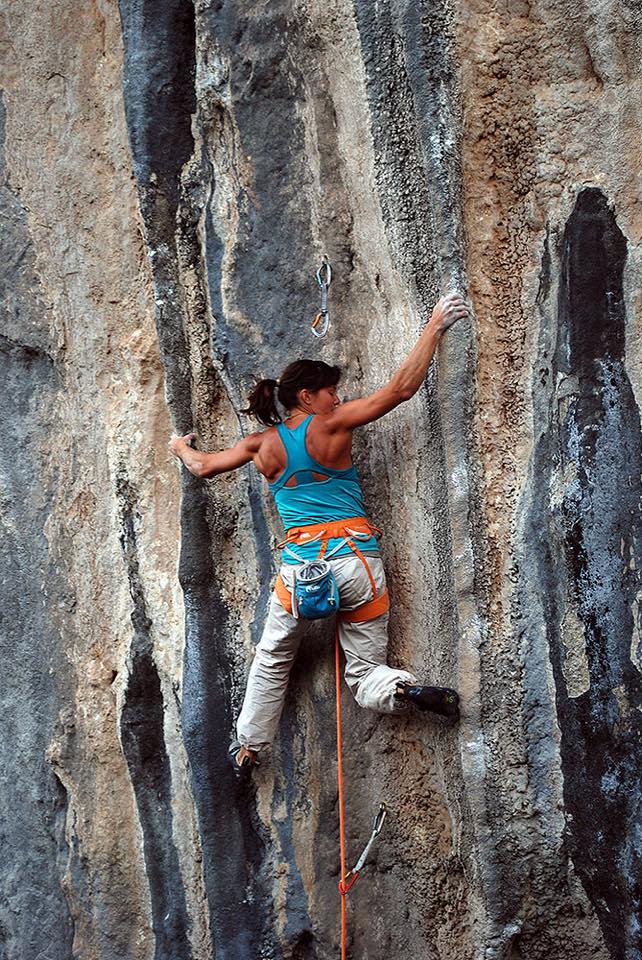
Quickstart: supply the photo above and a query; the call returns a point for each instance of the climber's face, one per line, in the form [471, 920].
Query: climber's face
[321, 401]
[325, 400]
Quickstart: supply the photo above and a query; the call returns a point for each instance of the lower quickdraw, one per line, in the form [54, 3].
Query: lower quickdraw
[353, 875]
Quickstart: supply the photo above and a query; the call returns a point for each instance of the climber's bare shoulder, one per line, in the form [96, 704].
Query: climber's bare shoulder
[330, 449]
[356, 413]
[329, 439]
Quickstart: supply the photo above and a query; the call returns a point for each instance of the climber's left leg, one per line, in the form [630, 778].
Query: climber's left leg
[268, 678]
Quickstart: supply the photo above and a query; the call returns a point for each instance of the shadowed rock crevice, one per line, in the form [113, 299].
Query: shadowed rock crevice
[587, 526]
[158, 83]
[231, 840]
[143, 741]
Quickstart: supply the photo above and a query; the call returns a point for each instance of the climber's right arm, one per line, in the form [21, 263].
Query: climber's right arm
[408, 378]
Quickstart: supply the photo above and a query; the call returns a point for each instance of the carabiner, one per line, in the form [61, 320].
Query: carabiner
[379, 820]
[324, 284]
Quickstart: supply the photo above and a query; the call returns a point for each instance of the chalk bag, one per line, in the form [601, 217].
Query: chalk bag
[316, 594]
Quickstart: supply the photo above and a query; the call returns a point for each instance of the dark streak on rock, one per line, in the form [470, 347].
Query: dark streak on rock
[590, 556]
[411, 82]
[143, 740]
[159, 95]
[232, 846]
[274, 244]
[287, 794]
[158, 87]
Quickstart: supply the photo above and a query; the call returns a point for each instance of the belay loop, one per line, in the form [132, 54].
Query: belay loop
[321, 323]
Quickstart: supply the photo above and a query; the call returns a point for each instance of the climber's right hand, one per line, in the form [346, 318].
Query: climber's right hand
[176, 441]
[447, 311]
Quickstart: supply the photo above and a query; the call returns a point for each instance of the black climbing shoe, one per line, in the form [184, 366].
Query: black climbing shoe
[441, 700]
[249, 760]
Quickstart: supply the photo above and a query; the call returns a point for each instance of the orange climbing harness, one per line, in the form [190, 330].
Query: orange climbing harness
[354, 528]
[349, 530]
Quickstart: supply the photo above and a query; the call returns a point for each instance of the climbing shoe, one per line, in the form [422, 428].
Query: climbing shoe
[242, 759]
[440, 700]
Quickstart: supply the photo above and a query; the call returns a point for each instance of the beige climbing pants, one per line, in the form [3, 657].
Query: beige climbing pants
[370, 679]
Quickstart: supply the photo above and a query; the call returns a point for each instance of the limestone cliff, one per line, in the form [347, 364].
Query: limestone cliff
[171, 175]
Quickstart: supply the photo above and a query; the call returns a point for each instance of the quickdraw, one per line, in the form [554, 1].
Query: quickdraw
[353, 875]
[321, 323]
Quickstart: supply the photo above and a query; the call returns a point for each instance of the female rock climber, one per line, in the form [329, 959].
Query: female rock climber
[307, 462]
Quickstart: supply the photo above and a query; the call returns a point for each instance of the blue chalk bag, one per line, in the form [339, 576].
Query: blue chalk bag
[315, 593]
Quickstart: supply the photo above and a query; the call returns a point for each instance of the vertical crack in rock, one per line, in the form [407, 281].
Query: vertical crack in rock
[143, 740]
[159, 95]
[290, 794]
[586, 525]
[232, 846]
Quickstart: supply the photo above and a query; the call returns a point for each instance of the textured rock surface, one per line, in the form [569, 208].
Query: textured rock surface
[171, 175]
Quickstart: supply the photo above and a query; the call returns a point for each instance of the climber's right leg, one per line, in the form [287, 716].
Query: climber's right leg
[268, 679]
[441, 700]
[374, 684]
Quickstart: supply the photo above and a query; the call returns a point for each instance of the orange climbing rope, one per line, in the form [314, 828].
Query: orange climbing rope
[349, 877]
[342, 840]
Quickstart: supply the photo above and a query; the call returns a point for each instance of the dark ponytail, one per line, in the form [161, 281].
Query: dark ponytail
[261, 403]
[309, 375]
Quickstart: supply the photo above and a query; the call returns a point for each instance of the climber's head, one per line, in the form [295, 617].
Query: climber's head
[308, 385]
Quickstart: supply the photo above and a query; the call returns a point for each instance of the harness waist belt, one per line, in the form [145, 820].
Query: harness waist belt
[330, 530]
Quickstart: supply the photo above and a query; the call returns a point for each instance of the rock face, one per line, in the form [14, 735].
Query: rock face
[172, 174]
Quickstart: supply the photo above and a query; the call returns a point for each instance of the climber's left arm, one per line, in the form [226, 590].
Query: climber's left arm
[205, 465]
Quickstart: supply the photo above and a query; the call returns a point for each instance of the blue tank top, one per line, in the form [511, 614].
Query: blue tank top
[311, 500]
